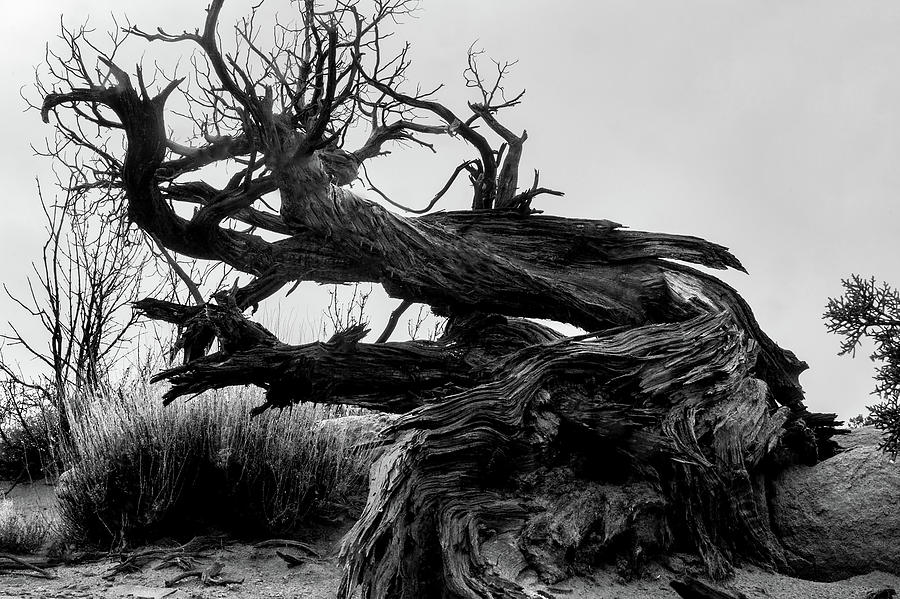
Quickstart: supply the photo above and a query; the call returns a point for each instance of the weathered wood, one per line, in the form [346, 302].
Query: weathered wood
[392, 377]
[657, 430]
[489, 261]
[677, 401]
[657, 399]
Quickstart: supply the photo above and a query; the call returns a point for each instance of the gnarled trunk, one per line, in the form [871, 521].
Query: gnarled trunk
[516, 448]
[521, 449]
[612, 447]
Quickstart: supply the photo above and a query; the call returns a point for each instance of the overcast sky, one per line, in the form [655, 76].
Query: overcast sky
[770, 127]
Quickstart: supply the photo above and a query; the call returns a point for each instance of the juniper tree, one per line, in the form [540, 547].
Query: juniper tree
[871, 310]
[516, 446]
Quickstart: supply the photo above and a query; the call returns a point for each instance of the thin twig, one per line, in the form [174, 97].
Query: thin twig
[434, 200]
[192, 287]
[392, 321]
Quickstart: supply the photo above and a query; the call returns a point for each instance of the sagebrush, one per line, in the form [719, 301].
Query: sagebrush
[141, 471]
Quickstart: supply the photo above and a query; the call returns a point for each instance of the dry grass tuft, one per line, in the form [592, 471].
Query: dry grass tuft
[142, 471]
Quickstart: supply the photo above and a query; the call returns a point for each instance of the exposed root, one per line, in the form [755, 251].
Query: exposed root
[209, 576]
[180, 556]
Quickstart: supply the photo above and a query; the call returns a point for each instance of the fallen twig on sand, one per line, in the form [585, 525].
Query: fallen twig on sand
[25, 565]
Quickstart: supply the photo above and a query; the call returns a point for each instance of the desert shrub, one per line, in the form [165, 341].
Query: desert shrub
[28, 435]
[143, 471]
[859, 421]
[23, 454]
[20, 532]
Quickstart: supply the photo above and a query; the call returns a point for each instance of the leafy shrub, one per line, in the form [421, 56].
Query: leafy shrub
[143, 471]
[21, 533]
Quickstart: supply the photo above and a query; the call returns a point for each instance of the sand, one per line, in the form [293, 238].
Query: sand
[265, 575]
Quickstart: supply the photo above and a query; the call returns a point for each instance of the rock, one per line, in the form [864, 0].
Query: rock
[865, 436]
[841, 517]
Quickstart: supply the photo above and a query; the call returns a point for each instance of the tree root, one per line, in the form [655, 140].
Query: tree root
[181, 555]
[289, 543]
[209, 576]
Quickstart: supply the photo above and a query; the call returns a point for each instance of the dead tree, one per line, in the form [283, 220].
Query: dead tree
[517, 447]
[91, 271]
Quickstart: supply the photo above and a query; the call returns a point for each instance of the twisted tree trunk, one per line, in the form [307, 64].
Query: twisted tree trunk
[517, 448]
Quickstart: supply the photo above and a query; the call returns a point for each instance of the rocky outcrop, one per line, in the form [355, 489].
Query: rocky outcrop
[841, 517]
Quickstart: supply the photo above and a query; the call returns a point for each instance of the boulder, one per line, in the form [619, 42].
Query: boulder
[841, 517]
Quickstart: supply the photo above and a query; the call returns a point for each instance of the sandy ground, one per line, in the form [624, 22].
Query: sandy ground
[267, 576]
[264, 575]
[753, 582]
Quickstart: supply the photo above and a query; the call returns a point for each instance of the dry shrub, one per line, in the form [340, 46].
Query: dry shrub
[20, 532]
[143, 471]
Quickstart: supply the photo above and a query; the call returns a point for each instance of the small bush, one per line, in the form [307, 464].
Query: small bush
[26, 456]
[28, 433]
[142, 471]
[21, 533]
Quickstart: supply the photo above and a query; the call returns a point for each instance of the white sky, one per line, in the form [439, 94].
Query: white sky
[770, 127]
